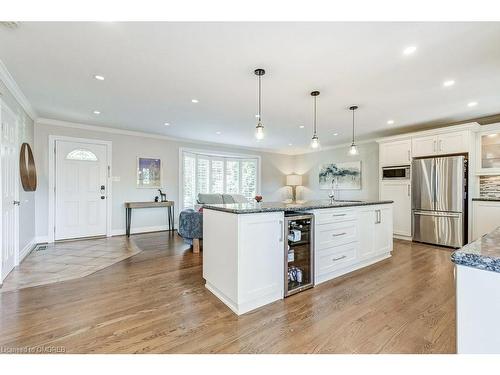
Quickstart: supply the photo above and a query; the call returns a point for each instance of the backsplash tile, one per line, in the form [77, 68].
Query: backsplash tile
[489, 186]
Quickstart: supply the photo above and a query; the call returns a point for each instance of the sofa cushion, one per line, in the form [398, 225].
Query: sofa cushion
[234, 198]
[210, 198]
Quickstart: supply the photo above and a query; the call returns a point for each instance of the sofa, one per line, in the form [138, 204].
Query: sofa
[191, 220]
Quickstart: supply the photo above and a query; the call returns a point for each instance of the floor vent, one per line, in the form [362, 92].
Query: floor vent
[41, 247]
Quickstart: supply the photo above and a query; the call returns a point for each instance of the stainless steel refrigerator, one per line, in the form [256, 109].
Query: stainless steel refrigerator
[439, 192]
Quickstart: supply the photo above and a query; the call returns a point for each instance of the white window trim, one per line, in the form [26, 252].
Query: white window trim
[212, 153]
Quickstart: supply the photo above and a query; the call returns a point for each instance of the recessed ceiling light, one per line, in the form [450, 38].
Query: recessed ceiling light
[301, 126]
[167, 124]
[99, 78]
[218, 133]
[471, 104]
[409, 50]
[390, 122]
[335, 134]
[448, 83]
[194, 100]
[290, 144]
[97, 112]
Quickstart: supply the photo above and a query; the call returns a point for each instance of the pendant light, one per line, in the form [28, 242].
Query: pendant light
[353, 150]
[315, 140]
[259, 129]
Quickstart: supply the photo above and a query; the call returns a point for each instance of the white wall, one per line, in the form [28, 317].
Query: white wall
[126, 148]
[27, 199]
[308, 165]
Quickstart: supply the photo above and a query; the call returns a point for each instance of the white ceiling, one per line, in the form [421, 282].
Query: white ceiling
[153, 70]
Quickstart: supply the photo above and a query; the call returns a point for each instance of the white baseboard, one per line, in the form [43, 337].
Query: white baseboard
[155, 228]
[41, 239]
[27, 249]
[401, 237]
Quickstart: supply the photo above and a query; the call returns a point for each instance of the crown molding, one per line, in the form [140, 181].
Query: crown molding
[105, 129]
[14, 89]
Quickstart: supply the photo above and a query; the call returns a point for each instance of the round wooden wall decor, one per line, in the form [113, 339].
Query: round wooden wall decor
[27, 168]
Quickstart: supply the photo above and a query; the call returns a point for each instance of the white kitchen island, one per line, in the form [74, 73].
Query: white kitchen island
[244, 246]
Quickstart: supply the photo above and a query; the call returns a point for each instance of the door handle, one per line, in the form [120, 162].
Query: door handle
[282, 230]
[334, 215]
[16, 203]
[408, 190]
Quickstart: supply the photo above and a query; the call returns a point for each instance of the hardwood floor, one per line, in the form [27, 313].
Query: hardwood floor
[156, 302]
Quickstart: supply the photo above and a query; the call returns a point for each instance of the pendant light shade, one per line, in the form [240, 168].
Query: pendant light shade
[259, 129]
[353, 150]
[315, 140]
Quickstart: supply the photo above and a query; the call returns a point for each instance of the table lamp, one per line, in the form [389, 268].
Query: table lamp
[294, 180]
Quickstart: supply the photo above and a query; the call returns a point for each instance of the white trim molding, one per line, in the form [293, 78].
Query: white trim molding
[14, 89]
[27, 249]
[52, 174]
[113, 130]
[154, 228]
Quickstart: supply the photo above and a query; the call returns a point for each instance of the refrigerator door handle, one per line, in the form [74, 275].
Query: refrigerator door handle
[441, 214]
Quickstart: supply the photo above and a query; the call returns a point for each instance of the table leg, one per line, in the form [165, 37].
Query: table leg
[128, 220]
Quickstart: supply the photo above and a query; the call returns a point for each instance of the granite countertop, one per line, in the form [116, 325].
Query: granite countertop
[484, 253]
[254, 207]
[487, 199]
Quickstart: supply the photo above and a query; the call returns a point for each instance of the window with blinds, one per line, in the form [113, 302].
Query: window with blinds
[205, 173]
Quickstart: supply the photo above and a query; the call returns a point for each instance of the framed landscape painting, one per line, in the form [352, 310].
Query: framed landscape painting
[345, 176]
[148, 173]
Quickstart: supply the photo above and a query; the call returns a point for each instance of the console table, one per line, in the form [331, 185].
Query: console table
[131, 205]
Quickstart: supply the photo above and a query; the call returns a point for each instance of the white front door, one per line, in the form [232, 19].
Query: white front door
[10, 192]
[80, 189]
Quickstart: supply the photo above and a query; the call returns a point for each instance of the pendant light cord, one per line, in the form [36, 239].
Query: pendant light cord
[353, 126]
[314, 120]
[260, 105]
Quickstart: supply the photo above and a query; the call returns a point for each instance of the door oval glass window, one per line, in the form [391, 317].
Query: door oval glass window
[81, 154]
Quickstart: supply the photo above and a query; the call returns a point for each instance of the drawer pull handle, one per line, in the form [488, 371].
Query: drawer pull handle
[338, 215]
[338, 234]
[339, 258]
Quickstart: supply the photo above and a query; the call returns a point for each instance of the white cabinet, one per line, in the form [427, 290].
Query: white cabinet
[441, 144]
[349, 239]
[375, 222]
[486, 217]
[395, 153]
[243, 258]
[400, 193]
[488, 151]
[424, 146]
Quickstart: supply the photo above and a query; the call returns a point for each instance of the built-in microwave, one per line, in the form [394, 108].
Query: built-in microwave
[396, 173]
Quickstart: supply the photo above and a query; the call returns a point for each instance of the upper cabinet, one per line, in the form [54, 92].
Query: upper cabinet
[441, 144]
[488, 151]
[395, 153]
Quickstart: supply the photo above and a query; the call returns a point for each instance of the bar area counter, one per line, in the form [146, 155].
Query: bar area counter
[478, 295]
[245, 246]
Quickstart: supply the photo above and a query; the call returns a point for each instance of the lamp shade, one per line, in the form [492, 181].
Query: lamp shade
[294, 180]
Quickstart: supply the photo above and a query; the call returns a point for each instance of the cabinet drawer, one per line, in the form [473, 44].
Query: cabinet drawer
[334, 215]
[328, 235]
[334, 258]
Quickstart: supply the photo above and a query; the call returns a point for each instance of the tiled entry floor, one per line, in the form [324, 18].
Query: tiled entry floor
[69, 260]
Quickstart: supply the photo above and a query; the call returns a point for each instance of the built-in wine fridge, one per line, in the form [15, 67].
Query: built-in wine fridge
[299, 252]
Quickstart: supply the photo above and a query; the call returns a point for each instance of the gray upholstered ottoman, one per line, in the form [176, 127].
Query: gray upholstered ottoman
[191, 228]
